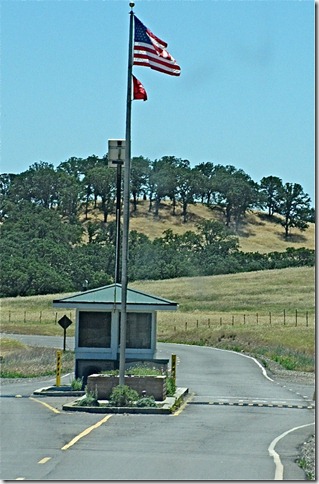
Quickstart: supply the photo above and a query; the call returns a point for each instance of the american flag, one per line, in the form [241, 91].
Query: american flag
[150, 51]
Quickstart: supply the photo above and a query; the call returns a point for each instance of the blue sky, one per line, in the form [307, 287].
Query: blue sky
[245, 96]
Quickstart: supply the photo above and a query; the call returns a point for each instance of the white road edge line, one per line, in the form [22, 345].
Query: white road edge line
[252, 358]
[279, 472]
[236, 353]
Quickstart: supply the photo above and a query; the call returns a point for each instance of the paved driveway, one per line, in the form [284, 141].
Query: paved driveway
[237, 425]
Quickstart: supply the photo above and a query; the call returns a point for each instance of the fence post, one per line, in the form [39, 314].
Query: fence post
[244, 318]
[221, 320]
[25, 317]
[307, 318]
[232, 320]
[284, 317]
[296, 316]
[185, 324]
[269, 317]
[197, 323]
[257, 318]
[209, 322]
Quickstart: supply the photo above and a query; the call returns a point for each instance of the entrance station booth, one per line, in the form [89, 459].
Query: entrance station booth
[97, 332]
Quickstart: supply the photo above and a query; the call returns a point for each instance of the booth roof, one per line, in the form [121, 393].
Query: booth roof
[108, 297]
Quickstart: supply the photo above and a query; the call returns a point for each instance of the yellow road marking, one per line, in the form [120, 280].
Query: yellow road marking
[44, 460]
[85, 432]
[181, 408]
[45, 404]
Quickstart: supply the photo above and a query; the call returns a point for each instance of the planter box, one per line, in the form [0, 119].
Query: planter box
[104, 384]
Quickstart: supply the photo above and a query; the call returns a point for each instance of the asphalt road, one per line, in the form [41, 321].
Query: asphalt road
[237, 425]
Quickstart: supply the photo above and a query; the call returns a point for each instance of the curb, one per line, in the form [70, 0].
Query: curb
[169, 405]
[62, 391]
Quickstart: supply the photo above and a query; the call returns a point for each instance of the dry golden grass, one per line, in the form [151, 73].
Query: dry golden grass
[261, 291]
[266, 313]
[253, 312]
[34, 315]
[28, 361]
[257, 233]
[9, 345]
[199, 298]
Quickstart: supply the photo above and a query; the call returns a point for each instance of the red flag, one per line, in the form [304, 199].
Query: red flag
[150, 51]
[138, 90]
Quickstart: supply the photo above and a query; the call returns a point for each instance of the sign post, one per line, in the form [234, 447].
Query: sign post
[64, 322]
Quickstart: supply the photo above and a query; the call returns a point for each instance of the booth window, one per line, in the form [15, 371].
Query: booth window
[94, 329]
[138, 330]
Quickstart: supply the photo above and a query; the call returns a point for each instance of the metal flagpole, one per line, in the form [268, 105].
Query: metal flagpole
[117, 277]
[126, 201]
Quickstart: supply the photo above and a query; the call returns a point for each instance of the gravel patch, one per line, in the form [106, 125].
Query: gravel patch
[307, 458]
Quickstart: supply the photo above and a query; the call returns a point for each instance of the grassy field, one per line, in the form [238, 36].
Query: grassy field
[266, 313]
[22, 361]
[256, 233]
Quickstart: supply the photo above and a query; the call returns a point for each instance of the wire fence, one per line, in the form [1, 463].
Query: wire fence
[285, 318]
[296, 318]
[35, 317]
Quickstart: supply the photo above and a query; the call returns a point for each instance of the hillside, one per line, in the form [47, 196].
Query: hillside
[264, 290]
[273, 290]
[257, 233]
[199, 298]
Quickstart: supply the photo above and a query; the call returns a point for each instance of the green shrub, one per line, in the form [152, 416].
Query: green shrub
[138, 370]
[89, 400]
[288, 362]
[77, 384]
[146, 402]
[123, 396]
[170, 386]
[143, 370]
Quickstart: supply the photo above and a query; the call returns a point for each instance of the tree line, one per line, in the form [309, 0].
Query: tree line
[42, 244]
[77, 182]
